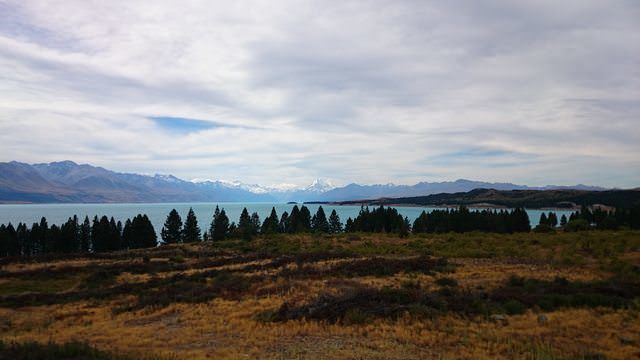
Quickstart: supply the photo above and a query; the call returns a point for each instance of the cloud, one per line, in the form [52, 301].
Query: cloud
[287, 91]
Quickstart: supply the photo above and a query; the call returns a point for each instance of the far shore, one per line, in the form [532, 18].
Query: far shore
[447, 206]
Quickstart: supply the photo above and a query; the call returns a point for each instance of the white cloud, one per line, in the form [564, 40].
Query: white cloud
[537, 93]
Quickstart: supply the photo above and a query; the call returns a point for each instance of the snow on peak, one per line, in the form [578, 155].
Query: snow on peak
[320, 185]
[168, 178]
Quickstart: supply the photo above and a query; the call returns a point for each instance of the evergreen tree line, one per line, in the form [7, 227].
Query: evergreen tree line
[105, 234]
[100, 235]
[551, 220]
[380, 219]
[605, 220]
[463, 220]
[299, 220]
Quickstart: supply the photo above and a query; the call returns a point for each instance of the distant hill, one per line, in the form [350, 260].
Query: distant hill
[519, 198]
[355, 191]
[66, 181]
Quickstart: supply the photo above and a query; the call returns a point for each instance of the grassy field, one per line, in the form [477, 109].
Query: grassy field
[446, 296]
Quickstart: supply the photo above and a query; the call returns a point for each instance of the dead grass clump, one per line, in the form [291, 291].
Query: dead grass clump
[67, 350]
[515, 297]
[374, 266]
[380, 267]
[553, 294]
[189, 289]
[359, 305]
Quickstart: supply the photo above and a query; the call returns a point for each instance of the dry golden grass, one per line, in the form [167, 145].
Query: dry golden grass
[227, 328]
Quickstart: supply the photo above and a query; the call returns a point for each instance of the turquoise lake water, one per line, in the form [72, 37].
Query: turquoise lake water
[157, 212]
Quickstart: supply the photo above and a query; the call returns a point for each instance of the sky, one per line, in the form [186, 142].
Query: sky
[270, 92]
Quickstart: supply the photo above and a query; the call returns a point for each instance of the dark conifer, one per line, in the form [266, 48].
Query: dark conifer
[172, 230]
[191, 230]
[271, 223]
[139, 233]
[283, 227]
[255, 223]
[245, 226]
[212, 226]
[543, 219]
[563, 220]
[335, 226]
[220, 226]
[85, 235]
[348, 226]
[319, 223]
[3, 240]
[293, 220]
[304, 224]
[13, 249]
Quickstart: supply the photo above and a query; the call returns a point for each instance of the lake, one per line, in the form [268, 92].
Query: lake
[157, 212]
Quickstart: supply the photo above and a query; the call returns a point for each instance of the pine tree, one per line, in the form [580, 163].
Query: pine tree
[3, 240]
[128, 239]
[283, 227]
[563, 220]
[22, 236]
[191, 230]
[293, 220]
[349, 226]
[220, 227]
[552, 219]
[69, 236]
[103, 234]
[172, 230]
[41, 241]
[120, 228]
[305, 219]
[255, 223]
[140, 233]
[335, 226]
[271, 223]
[543, 219]
[319, 221]
[95, 230]
[13, 249]
[245, 225]
[85, 235]
[405, 228]
[212, 226]
[55, 238]
[115, 235]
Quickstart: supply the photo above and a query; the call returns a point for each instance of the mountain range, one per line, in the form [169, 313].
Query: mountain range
[68, 182]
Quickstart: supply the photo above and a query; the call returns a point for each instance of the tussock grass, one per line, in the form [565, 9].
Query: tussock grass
[342, 296]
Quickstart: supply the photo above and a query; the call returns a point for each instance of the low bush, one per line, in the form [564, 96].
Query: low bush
[544, 228]
[577, 225]
[69, 350]
[362, 303]
[447, 282]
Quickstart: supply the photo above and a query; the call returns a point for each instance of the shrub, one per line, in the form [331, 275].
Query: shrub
[355, 317]
[544, 228]
[514, 307]
[68, 350]
[448, 282]
[577, 225]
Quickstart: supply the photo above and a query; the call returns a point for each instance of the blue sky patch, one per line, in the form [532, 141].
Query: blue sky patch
[184, 125]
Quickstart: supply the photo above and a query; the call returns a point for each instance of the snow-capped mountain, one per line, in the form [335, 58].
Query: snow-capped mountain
[317, 186]
[67, 181]
[253, 188]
